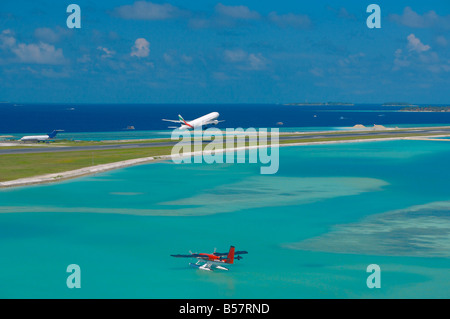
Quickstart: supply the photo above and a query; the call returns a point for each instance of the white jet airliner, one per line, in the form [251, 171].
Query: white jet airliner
[205, 120]
[40, 138]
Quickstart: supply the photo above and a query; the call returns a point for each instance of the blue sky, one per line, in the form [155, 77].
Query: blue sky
[224, 52]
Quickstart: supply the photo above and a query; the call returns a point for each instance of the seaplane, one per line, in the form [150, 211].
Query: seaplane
[214, 260]
[204, 121]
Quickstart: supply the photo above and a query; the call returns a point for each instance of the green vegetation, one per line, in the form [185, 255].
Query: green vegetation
[15, 166]
[94, 143]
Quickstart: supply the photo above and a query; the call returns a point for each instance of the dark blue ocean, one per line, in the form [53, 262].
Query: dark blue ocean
[20, 118]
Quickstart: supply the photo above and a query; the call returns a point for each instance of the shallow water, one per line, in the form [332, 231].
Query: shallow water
[311, 229]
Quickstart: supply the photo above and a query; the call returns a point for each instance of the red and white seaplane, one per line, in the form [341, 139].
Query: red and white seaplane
[214, 260]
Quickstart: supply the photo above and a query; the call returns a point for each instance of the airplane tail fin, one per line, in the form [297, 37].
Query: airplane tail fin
[230, 257]
[181, 119]
[53, 134]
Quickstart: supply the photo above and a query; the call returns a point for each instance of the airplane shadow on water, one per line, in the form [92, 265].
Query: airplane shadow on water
[219, 277]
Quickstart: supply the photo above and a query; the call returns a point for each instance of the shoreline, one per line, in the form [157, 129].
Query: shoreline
[91, 170]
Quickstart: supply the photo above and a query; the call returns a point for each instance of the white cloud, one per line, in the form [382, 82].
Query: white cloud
[419, 57]
[186, 59]
[343, 13]
[414, 44]
[245, 60]
[7, 39]
[317, 72]
[237, 55]
[143, 10]
[290, 20]
[46, 34]
[168, 59]
[107, 53]
[173, 58]
[49, 35]
[84, 59]
[225, 16]
[257, 61]
[412, 19]
[41, 53]
[351, 59]
[400, 60]
[237, 12]
[50, 73]
[141, 48]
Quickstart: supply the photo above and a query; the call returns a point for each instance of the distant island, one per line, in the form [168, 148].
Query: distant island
[397, 104]
[426, 109]
[321, 103]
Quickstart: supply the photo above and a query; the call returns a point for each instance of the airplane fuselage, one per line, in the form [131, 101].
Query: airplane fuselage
[211, 257]
[208, 119]
[40, 138]
[36, 138]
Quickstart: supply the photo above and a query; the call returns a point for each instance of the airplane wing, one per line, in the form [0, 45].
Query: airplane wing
[188, 256]
[174, 121]
[241, 252]
[212, 122]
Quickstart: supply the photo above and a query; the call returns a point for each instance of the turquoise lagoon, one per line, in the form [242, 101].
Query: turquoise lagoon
[311, 230]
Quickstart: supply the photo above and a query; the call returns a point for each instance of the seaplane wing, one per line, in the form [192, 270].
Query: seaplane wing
[241, 252]
[188, 256]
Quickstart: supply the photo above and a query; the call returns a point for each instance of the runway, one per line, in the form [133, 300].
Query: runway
[299, 136]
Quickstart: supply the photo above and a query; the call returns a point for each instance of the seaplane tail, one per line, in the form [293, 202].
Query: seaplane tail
[230, 257]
